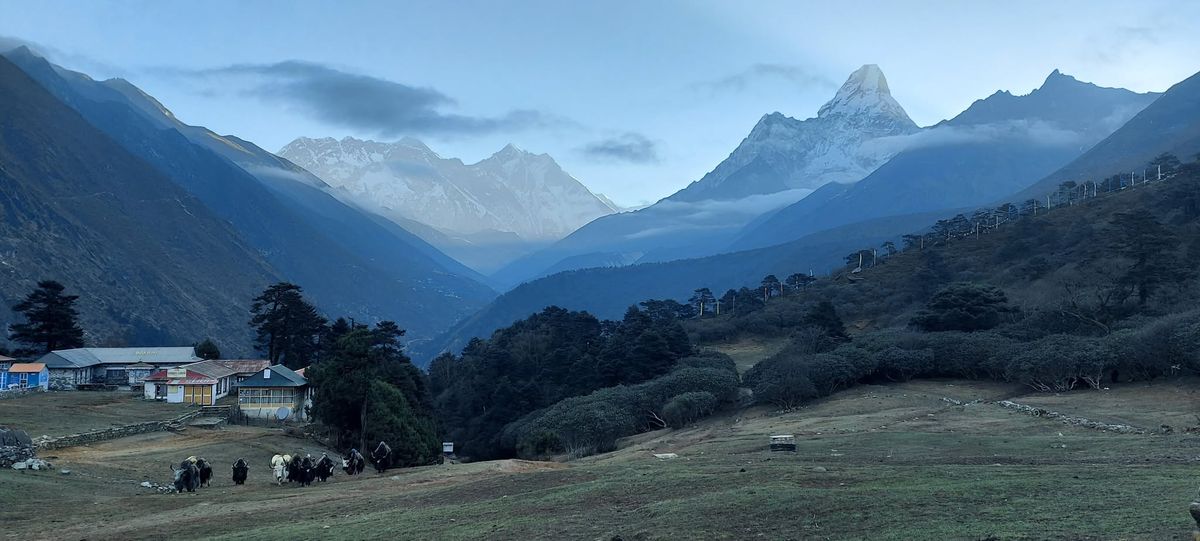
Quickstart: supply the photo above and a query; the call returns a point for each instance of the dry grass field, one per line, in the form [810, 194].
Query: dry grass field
[874, 462]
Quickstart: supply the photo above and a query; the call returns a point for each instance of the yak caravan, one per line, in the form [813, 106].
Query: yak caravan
[407, 278]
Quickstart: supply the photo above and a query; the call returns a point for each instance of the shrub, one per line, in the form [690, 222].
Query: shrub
[963, 307]
[784, 384]
[1060, 363]
[708, 359]
[687, 408]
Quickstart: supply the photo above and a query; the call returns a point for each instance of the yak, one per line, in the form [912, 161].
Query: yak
[353, 464]
[240, 470]
[293, 468]
[206, 472]
[324, 469]
[279, 465]
[382, 457]
[304, 471]
[187, 477]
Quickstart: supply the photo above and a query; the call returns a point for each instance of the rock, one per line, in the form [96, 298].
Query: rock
[20, 466]
[820, 469]
[147, 484]
[743, 470]
[65, 472]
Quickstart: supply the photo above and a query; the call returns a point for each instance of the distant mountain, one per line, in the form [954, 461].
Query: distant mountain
[782, 160]
[997, 146]
[1171, 124]
[350, 262]
[783, 153]
[151, 263]
[512, 191]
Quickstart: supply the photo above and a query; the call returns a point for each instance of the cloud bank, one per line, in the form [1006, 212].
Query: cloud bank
[629, 147]
[365, 103]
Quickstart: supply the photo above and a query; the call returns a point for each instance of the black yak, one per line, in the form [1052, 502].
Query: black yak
[382, 457]
[206, 472]
[240, 470]
[187, 477]
[324, 469]
[354, 463]
[305, 471]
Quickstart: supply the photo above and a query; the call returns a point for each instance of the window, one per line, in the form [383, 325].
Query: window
[266, 397]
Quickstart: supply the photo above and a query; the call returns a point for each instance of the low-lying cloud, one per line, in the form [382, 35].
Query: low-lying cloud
[629, 147]
[714, 214]
[798, 76]
[1035, 132]
[366, 103]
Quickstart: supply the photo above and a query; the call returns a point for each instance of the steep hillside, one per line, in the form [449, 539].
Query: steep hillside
[151, 264]
[1171, 124]
[608, 291]
[348, 262]
[782, 160]
[999, 145]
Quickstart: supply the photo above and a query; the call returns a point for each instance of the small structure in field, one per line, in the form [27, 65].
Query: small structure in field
[783, 442]
[25, 376]
[273, 391]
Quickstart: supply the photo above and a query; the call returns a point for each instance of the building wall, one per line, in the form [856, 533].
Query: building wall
[68, 378]
[255, 404]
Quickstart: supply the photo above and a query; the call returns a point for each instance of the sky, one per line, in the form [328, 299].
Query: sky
[635, 99]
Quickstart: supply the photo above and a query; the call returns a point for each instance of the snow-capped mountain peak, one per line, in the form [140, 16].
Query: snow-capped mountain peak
[511, 191]
[783, 153]
[865, 92]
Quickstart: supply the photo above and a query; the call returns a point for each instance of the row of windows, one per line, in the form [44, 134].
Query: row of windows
[266, 396]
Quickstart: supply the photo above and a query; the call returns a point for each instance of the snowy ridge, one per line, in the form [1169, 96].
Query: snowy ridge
[783, 153]
[511, 191]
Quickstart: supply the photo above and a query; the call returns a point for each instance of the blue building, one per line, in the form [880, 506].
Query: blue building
[25, 376]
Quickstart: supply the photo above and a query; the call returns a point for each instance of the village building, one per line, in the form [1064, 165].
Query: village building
[25, 376]
[201, 383]
[244, 368]
[276, 392]
[73, 368]
[5, 362]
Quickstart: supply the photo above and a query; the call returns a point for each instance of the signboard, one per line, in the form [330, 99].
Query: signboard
[176, 373]
[448, 447]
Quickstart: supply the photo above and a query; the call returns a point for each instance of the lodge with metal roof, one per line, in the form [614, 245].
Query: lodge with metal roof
[276, 392]
[70, 368]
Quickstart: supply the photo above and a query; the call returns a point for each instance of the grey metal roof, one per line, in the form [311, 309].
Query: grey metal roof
[281, 376]
[212, 369]
[85, 357]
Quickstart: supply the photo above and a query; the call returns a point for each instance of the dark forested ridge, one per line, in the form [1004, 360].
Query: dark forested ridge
[349, 262]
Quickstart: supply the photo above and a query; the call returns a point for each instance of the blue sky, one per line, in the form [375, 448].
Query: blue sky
[636, 99]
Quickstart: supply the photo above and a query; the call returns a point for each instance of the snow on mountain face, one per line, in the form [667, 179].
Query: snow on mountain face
[512, 191]
[783, 153]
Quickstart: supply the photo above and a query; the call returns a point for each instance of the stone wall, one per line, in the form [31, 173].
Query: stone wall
[15, 446]
[14, 393]
[114, 432]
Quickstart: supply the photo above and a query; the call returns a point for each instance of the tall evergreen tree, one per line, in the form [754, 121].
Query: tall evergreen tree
[824, 316]
[770, 286]
[369, 391]
[1151, 246]
[51, 321]
[207, 350]
[288, 328]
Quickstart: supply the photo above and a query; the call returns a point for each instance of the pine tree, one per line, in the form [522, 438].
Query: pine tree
[51, 321]
[288, 328]
[369, 391]
[207, 350]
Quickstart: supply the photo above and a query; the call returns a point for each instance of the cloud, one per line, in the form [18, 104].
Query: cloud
[1035, 132]
[738, 82]
[362, 102]
[627, 147]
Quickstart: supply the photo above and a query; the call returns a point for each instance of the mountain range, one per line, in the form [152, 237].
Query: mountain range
[782, 160]
[1073, 129]
[512, 201]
